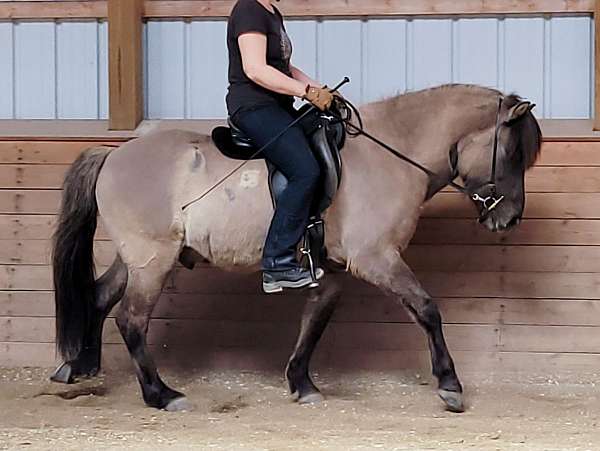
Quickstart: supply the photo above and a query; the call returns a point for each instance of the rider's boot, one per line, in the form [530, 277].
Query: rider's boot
[287, 273]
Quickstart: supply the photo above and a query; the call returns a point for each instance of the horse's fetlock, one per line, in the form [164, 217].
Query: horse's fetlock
[294, 369]
[447, 380]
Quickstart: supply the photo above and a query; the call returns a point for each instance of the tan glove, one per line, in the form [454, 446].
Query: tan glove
[319, 97]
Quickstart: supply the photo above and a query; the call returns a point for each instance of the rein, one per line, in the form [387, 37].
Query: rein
[259, 151]
[489, 203]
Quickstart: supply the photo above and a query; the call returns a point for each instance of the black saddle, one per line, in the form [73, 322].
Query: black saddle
[326, 137]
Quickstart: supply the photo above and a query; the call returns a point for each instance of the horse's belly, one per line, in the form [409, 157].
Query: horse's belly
[228, 227]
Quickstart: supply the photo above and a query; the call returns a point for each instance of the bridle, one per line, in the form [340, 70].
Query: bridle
[488, 203]
[492, 201]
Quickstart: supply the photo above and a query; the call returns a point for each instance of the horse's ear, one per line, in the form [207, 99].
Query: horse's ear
[518, 111]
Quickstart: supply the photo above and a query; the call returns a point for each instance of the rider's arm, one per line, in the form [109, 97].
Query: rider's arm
[253, 47]
[299, 75]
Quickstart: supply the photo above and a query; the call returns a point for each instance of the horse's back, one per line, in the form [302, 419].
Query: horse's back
[145, 183]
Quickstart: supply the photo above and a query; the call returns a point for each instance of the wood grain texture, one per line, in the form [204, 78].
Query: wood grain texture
[353, 309]
[538, 180]
[444, 205]
[346, 8]
[529, 299]
[556, 154]
[569, 232]
[423, 257]
[44, 152]
[32, 176]
[210, 281]
[597, 66]
[53, 9]
[338, 337]
[125, 61]
[538, 206]
[299, 8]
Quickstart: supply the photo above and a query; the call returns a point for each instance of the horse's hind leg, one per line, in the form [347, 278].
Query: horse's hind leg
[143, 290]
[394, 277]
[317, 313]
[109, 290]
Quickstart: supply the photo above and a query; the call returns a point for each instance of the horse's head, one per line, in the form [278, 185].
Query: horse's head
[519, 140]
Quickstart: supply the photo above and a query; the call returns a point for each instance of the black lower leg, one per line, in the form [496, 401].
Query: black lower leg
[441, 362]
[154, 391]
[316, 316]
[109, 289]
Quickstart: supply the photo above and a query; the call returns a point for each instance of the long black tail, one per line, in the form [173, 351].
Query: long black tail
[73, 252]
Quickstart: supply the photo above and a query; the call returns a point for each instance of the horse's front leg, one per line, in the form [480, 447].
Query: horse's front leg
[395, 278]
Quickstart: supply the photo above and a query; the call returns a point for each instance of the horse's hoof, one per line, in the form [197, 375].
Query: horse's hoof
[453, 400]
[63, 374]
[180, 405]
[311, 398]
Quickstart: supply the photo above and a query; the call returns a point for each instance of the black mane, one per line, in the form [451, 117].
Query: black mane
[529, 135]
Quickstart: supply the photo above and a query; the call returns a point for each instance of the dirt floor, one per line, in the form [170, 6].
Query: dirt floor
[252, 411]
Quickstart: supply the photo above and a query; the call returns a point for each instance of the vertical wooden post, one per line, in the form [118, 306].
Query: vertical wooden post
[125, 63]
[597, 66]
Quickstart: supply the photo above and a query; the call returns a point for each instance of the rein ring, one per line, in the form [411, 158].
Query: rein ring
[493, 201]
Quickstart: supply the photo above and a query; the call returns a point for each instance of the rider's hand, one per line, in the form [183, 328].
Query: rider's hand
[319, 97]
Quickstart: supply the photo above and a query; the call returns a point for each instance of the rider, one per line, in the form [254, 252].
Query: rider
[262, 87]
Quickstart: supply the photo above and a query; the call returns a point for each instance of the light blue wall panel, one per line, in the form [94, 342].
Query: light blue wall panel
[340, 55]
[570, 71]
[77, 69]
[385, 59]
[207, 68]
[476, 51]
[432, 52]
[51, 70]
[303, 34]
[166, 69]
[54, 70]
[545, 59]
[35, 70]
[524, 59]
[103, 70]
[6, 70]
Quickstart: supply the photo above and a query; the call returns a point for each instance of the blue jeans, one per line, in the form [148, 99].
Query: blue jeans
[292, 155]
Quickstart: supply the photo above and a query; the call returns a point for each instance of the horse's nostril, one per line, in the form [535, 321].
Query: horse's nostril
[514, 222]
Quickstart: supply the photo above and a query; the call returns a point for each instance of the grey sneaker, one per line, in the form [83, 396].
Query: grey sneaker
[276, 281]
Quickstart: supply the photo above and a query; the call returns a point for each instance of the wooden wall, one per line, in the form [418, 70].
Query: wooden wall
[511, 302]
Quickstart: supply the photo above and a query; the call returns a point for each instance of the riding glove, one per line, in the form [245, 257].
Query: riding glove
[319, 97]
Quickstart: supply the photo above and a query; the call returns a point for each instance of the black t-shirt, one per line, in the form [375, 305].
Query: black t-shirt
[251, 16]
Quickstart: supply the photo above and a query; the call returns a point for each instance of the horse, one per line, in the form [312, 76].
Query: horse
[139, 189]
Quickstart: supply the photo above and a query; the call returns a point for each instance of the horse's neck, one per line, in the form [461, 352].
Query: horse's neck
[427, 126]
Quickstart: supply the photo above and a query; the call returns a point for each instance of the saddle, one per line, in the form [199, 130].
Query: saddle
[326, 137]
